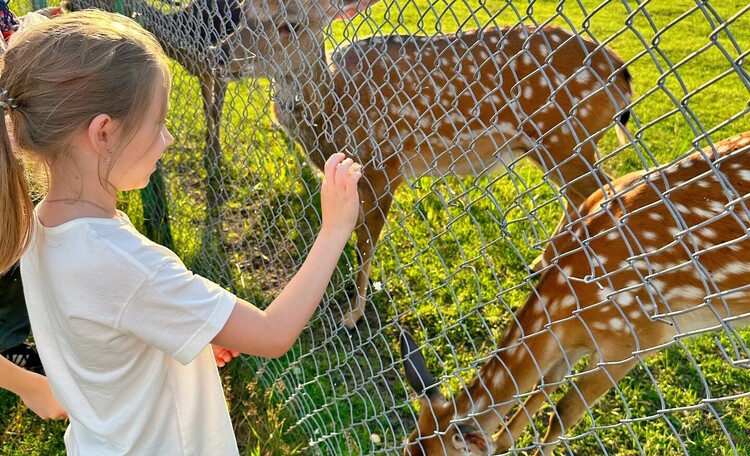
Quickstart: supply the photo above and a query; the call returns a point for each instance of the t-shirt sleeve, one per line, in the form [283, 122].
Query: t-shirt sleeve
[177, 311]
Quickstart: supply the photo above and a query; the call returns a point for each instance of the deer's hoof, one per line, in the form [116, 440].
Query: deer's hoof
[351, 290]
[350, 337]
[346, 331]
[351, 325]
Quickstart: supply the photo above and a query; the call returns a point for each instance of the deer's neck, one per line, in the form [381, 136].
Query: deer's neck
[481, 396]
[305, 107]
[307, 91]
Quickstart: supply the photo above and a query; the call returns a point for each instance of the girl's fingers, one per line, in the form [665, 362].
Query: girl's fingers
[339, 168]
[353, 179]
[223, 355]
[355, 172]
[342, 172]
[331, 165]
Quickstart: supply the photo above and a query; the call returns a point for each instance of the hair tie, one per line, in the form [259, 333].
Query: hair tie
[6, 102]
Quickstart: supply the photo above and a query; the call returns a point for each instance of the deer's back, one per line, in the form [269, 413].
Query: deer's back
[488, 92]
[671, 245]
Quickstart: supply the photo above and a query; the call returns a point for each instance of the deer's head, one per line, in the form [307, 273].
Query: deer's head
[282, 38]
[438, 431]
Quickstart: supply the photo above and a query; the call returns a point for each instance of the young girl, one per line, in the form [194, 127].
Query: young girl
[122, 327]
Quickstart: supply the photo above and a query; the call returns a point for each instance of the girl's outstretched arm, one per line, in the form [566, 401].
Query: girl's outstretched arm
[33, 389]
[273, 331]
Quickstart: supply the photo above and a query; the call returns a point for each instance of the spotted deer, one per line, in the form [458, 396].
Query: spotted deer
[406, 106]
[660, 255]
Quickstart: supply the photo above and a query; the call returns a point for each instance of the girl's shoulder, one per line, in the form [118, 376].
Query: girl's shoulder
[104, 241]
[134, 247]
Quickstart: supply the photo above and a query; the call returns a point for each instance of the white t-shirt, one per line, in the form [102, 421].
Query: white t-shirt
[123, 330]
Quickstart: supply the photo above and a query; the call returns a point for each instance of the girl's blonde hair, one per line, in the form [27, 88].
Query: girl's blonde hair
[55, 78]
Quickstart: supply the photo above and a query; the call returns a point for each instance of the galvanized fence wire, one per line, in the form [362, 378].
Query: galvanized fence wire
[236, 197]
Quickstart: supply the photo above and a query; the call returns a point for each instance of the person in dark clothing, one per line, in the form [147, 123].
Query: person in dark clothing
[14, 323]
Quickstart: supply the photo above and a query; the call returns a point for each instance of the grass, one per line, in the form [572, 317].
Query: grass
[451, 266]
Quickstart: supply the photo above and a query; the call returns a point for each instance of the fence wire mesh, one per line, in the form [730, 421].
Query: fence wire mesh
[443, 103]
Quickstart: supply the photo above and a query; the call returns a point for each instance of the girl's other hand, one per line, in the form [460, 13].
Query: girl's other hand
[223, 355]
[38, 397]
[339, 198]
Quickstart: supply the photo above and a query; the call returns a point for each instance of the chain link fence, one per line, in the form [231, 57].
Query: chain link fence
[502, 116]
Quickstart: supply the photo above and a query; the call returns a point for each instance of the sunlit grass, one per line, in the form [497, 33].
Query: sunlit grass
[452, 265]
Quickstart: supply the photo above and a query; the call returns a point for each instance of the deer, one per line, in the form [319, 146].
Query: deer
[658, 256]
[407, 106]
[187, 36]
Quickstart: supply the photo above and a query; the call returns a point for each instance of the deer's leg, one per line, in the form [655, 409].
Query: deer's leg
[219, 95]
[581, 397]
[376, 194]
[220, 92]
[213, 92]
[213, 162]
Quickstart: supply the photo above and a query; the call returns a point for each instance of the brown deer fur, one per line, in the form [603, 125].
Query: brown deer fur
[406, 106]
[660, 255]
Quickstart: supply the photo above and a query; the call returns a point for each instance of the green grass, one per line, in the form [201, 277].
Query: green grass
[453, 274]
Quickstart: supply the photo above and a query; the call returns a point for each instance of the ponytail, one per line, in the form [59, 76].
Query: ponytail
[16, 206]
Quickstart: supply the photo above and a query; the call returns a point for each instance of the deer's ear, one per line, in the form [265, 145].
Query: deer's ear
[347, 9]
[415, 368]
[468, 438]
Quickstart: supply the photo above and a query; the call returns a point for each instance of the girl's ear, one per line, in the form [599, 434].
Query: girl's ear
[101, 136]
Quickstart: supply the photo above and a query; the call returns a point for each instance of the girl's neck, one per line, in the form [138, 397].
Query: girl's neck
[62, 205]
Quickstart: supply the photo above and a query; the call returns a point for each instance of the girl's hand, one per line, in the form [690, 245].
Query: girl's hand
[223, 355]
[339, 198]
[38, 397]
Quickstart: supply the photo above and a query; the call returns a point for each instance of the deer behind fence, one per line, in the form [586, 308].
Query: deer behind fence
[662, 255]
[405, 106]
